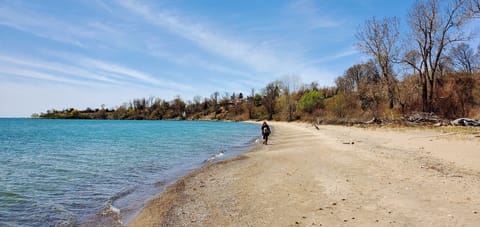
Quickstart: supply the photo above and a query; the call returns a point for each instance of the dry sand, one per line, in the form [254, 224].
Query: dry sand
[333, 176]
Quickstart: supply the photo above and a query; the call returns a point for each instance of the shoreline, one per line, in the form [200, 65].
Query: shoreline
[120, 214]
[332, 176]
[172, 190]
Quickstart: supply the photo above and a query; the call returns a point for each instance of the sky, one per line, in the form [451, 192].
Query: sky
[59, 54]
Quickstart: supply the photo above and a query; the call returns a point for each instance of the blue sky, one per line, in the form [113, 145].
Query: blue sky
[61, 53]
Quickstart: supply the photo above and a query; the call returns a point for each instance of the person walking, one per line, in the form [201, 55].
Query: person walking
[265, 132]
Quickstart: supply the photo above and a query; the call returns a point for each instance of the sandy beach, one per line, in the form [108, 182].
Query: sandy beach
[332, 176]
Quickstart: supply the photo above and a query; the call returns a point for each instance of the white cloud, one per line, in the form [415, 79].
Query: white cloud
[261, 60]
[41, 25]
[85, 71]
[55, 67]
[80, 32]
[313, 16]
[335, 56]
[6, 70]
[138, 76]
[191, 59]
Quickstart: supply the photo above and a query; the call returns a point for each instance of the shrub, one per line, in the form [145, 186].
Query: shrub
[310, 101]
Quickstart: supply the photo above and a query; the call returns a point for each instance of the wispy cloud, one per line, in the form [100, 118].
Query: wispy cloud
[335, 56]
[83, 32]
[40, 65]
[87, 71]
[313, 15]
[261, 60]
[7, 70]
[201, 35]
[40, 25]
[136, 75]
[191, 59]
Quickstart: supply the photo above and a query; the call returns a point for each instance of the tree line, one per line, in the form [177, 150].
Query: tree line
[432, 68]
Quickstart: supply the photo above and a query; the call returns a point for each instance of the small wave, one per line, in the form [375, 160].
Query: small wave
[120, 195]
[111, 214]
[112, 211]
[215, 156]
[108, 216]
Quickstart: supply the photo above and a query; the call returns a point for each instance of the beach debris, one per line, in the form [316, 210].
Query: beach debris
[465, 122]
[422, 117]
[374, 121]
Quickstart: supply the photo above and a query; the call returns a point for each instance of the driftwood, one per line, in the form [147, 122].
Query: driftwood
[374, 121]
[422, 117]
[431, 118]
[465, 122]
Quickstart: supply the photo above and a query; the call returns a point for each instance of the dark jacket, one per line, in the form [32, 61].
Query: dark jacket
[266, 129]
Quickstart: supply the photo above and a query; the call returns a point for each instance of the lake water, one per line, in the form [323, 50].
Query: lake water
[62, 172]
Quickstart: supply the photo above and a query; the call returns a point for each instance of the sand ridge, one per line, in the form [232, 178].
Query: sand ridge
[333, 176]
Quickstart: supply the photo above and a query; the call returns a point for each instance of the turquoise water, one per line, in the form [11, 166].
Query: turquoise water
[70, 171]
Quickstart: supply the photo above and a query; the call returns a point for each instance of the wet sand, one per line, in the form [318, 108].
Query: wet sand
[332, 176]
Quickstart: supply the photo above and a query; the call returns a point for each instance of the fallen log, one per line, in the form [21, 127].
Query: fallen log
[465, 122]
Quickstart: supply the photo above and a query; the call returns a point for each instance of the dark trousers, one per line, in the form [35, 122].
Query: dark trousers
[265, 138]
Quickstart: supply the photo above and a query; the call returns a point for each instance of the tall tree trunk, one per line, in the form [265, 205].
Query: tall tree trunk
[431, 82]
[424, 94]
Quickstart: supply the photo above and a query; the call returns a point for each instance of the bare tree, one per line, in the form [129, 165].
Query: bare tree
[270, 95]
[477, 60]
[463, 58]
[434, 27]
[250, 104]
[379, 39]
[214, 99]
[362, 82]
[289, 85]
[177, 107]
[197, 103]
[474, 8]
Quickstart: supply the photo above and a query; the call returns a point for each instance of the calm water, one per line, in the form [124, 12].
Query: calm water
[68, 171]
